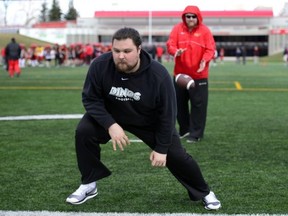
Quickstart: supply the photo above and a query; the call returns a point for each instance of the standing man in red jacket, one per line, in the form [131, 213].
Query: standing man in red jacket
[193, 46]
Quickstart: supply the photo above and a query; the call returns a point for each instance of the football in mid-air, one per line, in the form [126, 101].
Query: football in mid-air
[184, 81]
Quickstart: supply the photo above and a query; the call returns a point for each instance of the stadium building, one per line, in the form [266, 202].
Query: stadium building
[231, 29]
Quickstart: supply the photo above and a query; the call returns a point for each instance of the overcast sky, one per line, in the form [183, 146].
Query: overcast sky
[86, 8]
[17, 13]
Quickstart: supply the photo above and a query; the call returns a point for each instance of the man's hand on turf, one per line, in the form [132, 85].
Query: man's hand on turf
[158, 159]
[118, 137]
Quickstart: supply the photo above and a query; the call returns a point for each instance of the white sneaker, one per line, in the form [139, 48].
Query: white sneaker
[83, 193]
[211, 202]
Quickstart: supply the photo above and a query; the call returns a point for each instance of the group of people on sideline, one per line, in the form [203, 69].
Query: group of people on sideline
[79, 54]
[52, 55]
[73, 55]
[240, 55]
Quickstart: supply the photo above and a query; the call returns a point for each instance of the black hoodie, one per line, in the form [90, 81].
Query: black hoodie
[13, 50]
[144, 99]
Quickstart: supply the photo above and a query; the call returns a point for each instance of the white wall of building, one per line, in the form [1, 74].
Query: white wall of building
[59, 35]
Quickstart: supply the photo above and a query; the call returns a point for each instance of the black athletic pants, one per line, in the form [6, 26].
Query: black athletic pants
[192, 108]
[89, 136]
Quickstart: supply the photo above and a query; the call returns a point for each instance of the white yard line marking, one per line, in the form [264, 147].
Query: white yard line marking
[48, 213]
[49, 117]
[41, 117]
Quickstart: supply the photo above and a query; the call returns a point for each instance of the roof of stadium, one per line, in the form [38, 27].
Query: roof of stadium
[218, 14]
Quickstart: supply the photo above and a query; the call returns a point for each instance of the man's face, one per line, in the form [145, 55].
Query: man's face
[191, 20]
[125, 55]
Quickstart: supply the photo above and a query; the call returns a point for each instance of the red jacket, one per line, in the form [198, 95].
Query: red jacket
[3, 52]
[199, 45]
[89, 50]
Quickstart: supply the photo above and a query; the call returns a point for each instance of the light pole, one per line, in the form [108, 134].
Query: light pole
[150, 28]
[5, 12]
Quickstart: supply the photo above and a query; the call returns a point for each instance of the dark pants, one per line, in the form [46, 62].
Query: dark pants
[192, 108]
[89, 136]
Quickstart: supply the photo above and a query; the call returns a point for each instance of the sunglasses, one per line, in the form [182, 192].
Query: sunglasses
[191, 16]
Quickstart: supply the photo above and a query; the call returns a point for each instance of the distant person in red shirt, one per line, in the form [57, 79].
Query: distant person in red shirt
[3, 59]
[159, 53]
[222, 54]
[12, 53]
[256, 55]
[89, 53]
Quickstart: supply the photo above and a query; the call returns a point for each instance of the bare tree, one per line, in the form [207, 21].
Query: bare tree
[31, 13]
[27, 7]
[5, 11]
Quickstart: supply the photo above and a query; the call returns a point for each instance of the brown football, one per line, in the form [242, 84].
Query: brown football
[184, 81]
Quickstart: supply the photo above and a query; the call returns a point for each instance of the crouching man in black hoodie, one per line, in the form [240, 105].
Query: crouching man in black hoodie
[125, 90]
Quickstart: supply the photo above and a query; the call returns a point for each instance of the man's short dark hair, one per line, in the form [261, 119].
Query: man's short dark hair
[127, 32]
